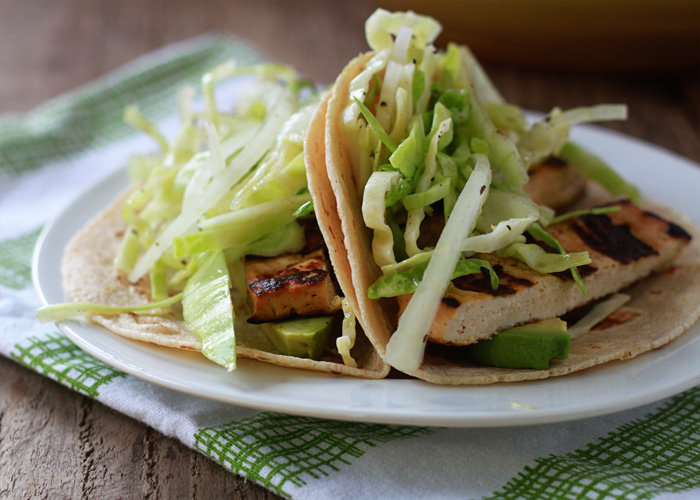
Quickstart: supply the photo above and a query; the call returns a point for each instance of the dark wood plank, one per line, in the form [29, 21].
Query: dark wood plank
[39, 436]
[55, 443]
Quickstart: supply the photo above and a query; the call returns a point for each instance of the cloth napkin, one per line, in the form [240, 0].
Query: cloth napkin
[79, 138]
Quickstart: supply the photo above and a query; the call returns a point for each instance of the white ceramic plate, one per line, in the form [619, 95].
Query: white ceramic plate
[612, 387]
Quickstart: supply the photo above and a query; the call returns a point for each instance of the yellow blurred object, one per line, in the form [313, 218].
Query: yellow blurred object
[588, 35]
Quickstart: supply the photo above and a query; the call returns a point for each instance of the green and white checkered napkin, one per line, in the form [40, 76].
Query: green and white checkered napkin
[72, 141]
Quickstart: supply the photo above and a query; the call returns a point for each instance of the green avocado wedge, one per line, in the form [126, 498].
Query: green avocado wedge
[530, 346]
[300, 337]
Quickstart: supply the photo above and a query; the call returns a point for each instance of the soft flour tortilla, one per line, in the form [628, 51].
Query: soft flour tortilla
[662, 307]
[89, 276]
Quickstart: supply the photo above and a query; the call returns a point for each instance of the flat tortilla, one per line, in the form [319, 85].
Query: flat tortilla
[662, 307]
[89, 276]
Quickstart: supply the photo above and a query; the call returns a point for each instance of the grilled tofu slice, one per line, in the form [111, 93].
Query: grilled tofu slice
[554, 183]
[291, 285]
[624, 246]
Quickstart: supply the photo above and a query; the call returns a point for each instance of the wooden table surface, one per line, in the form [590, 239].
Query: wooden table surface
[55, 443]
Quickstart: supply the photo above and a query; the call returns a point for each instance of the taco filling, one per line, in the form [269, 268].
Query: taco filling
[447, 196]
[409, 216]
[216, 247]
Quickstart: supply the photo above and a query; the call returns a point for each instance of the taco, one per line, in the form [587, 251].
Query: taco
[215, 247]
[460, 277]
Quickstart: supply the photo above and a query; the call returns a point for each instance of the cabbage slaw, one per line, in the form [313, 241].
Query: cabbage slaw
[228, 184]
[422, 125]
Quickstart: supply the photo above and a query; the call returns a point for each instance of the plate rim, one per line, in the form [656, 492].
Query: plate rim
[496, 418]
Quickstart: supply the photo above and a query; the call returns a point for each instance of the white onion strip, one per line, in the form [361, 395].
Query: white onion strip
[597, 314]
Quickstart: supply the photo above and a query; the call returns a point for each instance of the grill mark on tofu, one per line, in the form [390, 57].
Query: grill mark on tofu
[301, 278]
[471, 311]
[673, 229]
[583, 271]
[481, 282]
[544, 246]
[450, 302]
[291, 285]
[615, 241]
[676, 231]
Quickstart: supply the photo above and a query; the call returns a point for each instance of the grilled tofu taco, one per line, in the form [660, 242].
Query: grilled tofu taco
[462, 271]
[215, 247]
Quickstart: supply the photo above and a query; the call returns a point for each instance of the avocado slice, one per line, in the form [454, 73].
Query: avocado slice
[528, 346]
[301, 337]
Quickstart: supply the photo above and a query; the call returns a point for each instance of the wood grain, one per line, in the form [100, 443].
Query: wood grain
[55, 443]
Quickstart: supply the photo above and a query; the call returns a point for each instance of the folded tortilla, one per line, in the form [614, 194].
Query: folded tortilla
[88, 275]
[662, 307]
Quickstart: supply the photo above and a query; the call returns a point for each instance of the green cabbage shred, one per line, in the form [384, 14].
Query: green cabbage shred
[228, 183]
[425, 119]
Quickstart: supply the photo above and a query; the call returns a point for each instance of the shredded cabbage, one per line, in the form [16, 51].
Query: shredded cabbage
[416, 216]
[598, 113]
[239, 227]
[598, 171]
[588, 211]
[537, 232]
[486, 91]
[417, 125]
[206, 307]
[598, 313]
[424, 129]
[541, 261]
[408, 263]
[287, 239]
[406, 346]
[548, 136]
[503, 205]
[382, 26]
[227, 185]
[406, 281]
[218, 186]
[282, 172]
[71, 310]
[134, 117]
[373, 208]
[346, 341]
[503, 234]
[436, 192]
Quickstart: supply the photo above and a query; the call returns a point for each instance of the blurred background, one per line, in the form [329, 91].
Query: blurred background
[540, 53]
[50, 46]
[603, 36]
